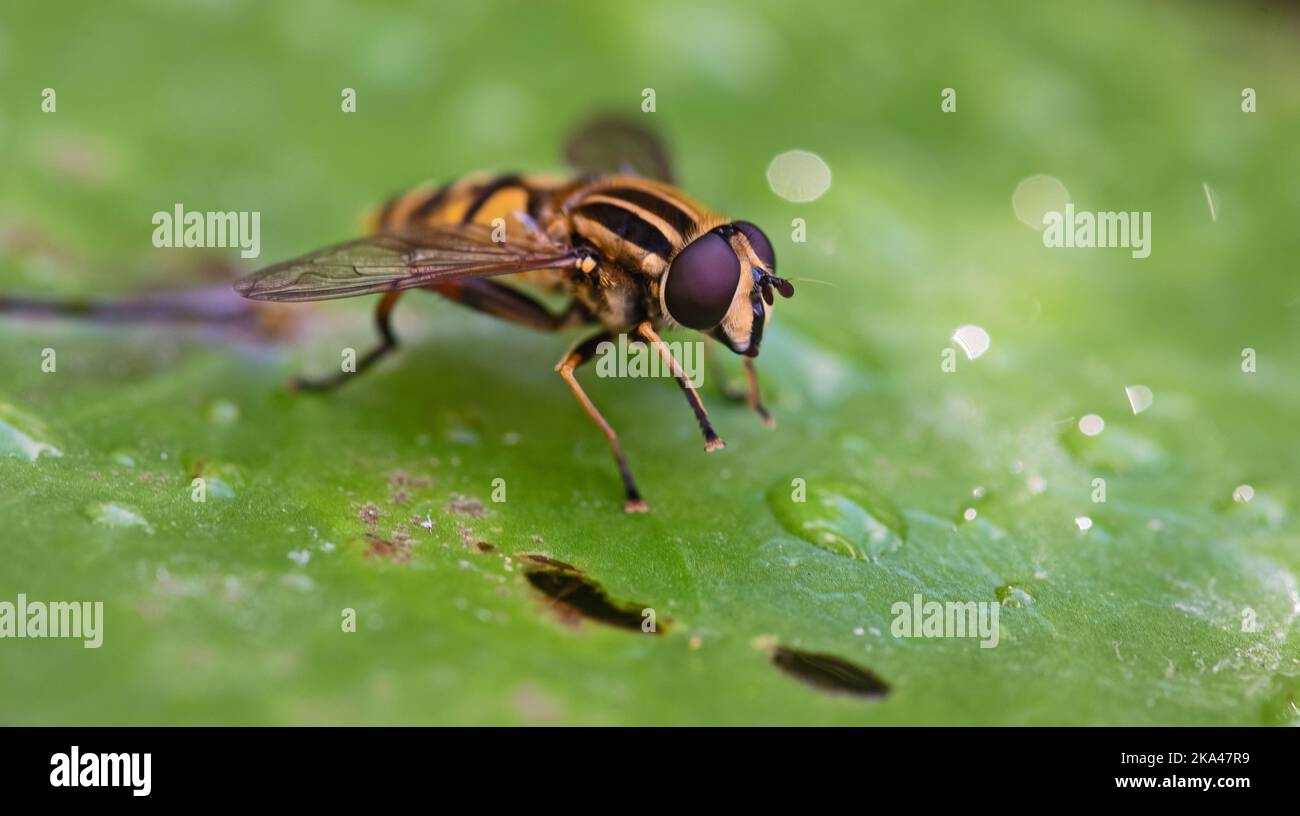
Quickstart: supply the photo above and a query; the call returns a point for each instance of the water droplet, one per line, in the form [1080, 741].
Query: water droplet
[1139, 397]
[972, 339]
[1036, 196]
[23, 435]
[1014, 596]
[970, 514]
[124, 458]
[222, 478]
[223, 412]
[1258, 504]
[112, 514]
[797, 175]
[1091, 425]
[845, 518]
[300, 557]
[1083, 523]
[462, 436]
[1036, 485]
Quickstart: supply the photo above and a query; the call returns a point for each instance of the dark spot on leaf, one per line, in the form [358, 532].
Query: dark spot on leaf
[398, 549]
[573, 596]
[828, 673]
[484, 547]
[400, 478]
[368, 513]
[465, 506]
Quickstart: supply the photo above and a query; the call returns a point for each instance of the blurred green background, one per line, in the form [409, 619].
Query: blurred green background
[229, 611]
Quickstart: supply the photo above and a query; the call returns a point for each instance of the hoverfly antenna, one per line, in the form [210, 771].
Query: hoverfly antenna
[767, 282]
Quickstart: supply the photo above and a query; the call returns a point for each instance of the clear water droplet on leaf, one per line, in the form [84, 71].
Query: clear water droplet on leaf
[23, 435]
[1014, 596]
[112, 514]
[842, 517]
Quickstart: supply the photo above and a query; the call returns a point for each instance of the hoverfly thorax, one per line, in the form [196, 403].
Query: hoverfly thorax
[722, 283]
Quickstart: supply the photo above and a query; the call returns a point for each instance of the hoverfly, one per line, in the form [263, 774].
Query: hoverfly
[634, 253]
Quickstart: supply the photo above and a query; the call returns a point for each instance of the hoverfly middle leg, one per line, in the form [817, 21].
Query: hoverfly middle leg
[712, 441]
[580, 354]
[388, 342]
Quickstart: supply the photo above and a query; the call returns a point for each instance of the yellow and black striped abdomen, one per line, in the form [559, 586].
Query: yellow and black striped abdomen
[478, 199]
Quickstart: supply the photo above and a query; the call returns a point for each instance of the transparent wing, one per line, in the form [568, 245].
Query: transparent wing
[610, 144]
[405, 260]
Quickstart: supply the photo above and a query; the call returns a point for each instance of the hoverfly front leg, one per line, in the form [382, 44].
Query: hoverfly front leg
[712, 441]
[388, 342]
[580, 354]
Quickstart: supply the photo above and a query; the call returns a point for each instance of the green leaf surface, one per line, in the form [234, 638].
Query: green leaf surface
[969, 485]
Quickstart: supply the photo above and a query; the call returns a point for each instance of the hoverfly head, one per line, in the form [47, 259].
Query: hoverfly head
[721, 283]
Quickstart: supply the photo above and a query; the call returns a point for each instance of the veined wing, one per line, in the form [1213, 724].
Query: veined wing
[404, 260]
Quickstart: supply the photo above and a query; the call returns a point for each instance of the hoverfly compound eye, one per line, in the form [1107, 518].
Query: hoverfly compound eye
[757, 240]
[701, 282]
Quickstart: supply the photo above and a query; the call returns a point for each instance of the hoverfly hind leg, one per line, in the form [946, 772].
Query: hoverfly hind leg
[387, 343]
[580, 354]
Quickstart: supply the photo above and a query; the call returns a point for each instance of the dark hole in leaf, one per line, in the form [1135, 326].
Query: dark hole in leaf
[828, 673]
[574, 596]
